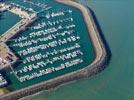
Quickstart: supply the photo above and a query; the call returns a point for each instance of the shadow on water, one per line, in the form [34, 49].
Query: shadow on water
[108, 51]
[3, 73]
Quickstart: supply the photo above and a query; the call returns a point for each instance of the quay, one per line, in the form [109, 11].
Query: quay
[92, 69]
[3, 7]
[6, 56]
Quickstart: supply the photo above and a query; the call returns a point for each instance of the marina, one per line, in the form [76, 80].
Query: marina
[49, 42]
[58, 37]
[116, 82]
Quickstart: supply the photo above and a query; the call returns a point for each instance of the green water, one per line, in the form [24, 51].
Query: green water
[80, 30]
[7, 20]
[116, 82]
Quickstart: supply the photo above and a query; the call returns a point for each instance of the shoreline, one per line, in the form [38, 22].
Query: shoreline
[92, 69]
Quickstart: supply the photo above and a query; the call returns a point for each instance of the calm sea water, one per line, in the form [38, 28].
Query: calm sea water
[116, 82]
[6, 22]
